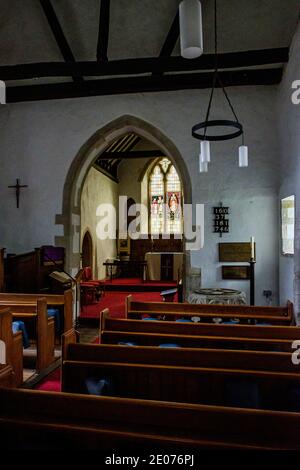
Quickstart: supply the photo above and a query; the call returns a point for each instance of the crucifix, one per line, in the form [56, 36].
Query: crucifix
[18, 188]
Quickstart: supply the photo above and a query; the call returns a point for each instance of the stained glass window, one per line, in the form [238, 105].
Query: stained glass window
[165, 199]
[288, 225]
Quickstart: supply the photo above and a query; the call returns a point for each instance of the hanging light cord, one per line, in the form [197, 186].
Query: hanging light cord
[217, 78]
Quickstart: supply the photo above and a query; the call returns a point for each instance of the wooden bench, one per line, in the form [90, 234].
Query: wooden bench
[245, 314]
[44, 326]
[38, 420]
[220, 358]
[197, 335]
[200, 329]
[202, 385]
[13, 345]
[64, 301]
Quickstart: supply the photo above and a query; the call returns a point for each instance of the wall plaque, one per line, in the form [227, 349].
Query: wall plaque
[236, 272]
[235, 252]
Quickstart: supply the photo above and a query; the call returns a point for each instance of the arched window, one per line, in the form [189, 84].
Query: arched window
[165, 198]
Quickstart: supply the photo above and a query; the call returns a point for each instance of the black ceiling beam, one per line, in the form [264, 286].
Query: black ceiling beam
[132, 154]
[59, 36]
[169, 44]
[229, 60]
[141, 85]
[171, 39]
[103, 31]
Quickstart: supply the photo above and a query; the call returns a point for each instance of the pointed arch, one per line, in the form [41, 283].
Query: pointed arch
[85, 158]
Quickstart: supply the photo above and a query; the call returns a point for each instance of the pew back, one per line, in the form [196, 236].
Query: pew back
[219, 358]
[201, 385]
[194, 341]
[45, 333]
[200, 329]
[173, 310]
[64, 301]
[34, 419]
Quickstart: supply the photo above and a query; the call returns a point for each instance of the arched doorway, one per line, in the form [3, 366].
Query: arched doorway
[87, 251]
[87, 155]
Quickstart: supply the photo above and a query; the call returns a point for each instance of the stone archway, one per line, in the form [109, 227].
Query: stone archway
[88, 153]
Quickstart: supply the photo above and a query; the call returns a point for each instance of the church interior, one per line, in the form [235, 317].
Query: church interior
[150, 226]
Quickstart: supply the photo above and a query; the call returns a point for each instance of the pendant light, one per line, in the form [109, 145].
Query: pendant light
[200, 130]
[191, 34]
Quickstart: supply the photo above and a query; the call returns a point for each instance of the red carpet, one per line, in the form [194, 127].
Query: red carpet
[115, 301]
[51, 383]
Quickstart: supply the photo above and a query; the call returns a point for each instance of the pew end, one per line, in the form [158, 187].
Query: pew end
[104, 314]
[70, 337]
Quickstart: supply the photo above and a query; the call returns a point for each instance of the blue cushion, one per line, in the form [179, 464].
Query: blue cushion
[55, 313]
[20, 326]
[100, 387]
[183, 320]
[242, 393]
[149, 318]
[127, 343]
[169, 345]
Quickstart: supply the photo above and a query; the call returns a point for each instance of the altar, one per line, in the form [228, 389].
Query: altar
[217, 296]
[164, 266]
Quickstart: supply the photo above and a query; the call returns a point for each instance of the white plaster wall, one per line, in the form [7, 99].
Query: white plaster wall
[98, 189]
[129, 173]
[289, 134]
[38, 142]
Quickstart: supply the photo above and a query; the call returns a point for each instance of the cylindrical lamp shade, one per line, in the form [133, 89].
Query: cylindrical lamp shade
[191, 34]
[203, 166]
[205, 151]
[243, 156]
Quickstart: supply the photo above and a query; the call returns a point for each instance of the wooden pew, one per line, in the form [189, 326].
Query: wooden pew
[201, 385]
[197, 335]
[7, 376]
[219, 358]
[48, 421]
[245, 313]
[200, 329]
[2, 269]
[45, 334]
[64, 301]
[13, 345]
[194, 341]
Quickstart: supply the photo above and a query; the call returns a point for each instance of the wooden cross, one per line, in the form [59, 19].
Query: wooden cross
[18, 188]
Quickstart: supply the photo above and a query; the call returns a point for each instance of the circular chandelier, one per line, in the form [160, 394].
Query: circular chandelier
[232, 127]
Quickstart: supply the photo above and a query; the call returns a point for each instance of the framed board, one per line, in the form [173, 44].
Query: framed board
[235, 252]
[236, 272]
